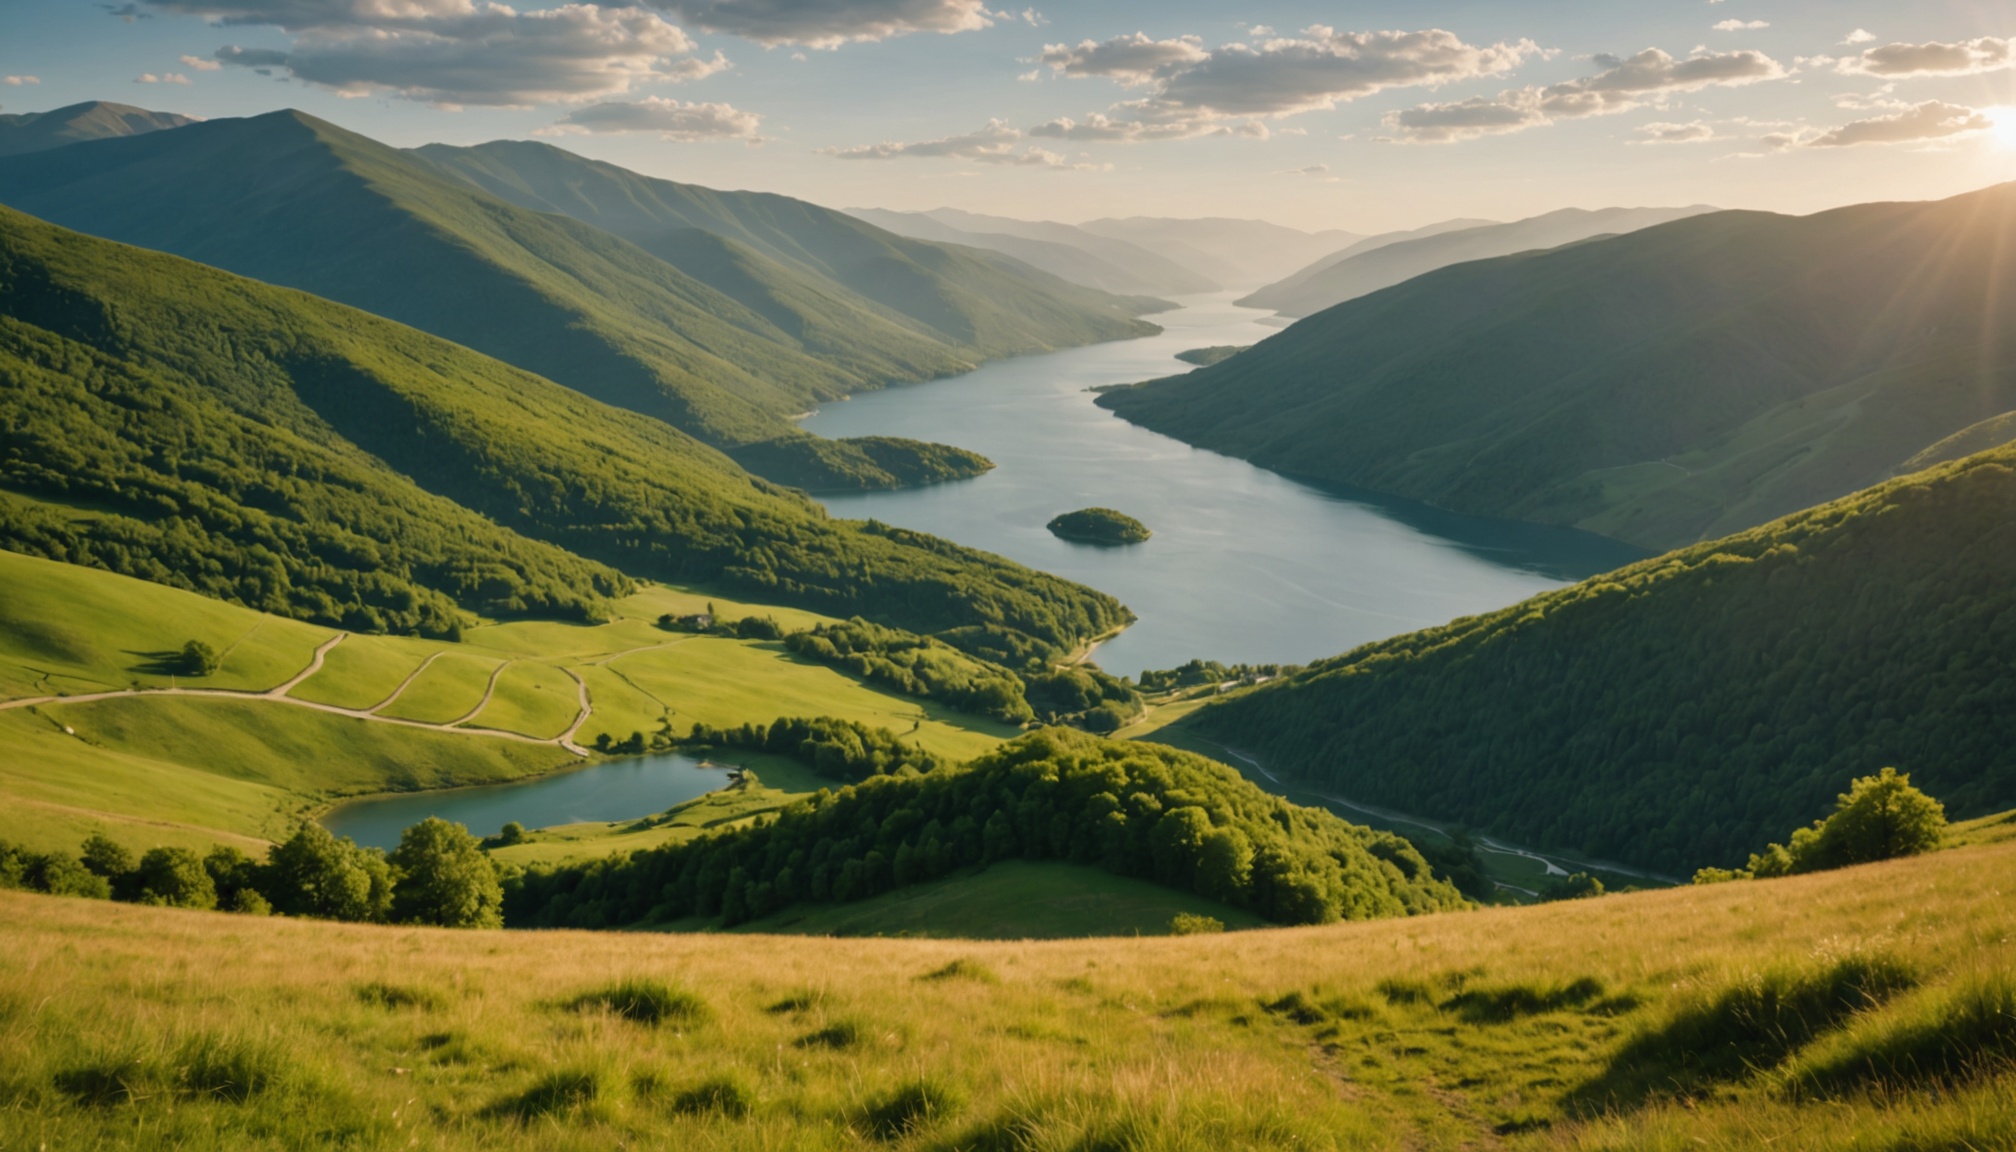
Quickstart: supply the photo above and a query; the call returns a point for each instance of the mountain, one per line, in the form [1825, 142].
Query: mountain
[1060, 249]
[1233, 253]
[292, 200]
[1358, 270]
[1685, 710]
[178, 423]
[1677, 384]
[1289, 285]
[23, 132]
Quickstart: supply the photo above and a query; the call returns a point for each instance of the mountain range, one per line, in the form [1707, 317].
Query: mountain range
[1384, 261]
[22, 132]
[1676, 384]
[1061, 249]
[729, 354]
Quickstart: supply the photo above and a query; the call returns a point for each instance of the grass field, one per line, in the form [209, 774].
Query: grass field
[167, 769]
[1868, 1009]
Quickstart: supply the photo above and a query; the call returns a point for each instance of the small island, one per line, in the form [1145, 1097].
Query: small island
[1099, 526]
[1217, 353]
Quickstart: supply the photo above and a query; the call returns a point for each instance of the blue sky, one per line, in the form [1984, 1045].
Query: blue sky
[1364, 116]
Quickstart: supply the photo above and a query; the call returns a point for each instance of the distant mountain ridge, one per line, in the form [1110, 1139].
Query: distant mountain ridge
[1358, 271]
[1234, 253]
[24, 132]
[1368, 244]
[1076, 255]
[1675, 384]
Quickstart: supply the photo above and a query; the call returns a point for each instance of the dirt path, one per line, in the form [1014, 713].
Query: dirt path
[489, 690]
[580, 718]
[279, 696]
[404, 684]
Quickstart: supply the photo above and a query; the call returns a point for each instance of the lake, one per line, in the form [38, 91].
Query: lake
[622, 789]
[1246, 566]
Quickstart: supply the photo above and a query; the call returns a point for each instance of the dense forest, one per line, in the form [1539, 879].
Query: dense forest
[1677, 712]
[843, 751]
[264, 446]
[916, 666]
[858, 463]
[1677, 384]
[1132, 809]
[1098, 526]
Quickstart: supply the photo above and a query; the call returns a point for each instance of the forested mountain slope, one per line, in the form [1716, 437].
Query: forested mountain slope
[842, 282]
[1682, 711]
[1334, 280]
[172, 421]
[1676, 384]
[1369, 244]
[292, 200]
[92, 120]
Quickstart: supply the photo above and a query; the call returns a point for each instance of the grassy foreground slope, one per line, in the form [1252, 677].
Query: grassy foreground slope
[1853, 1009]
[183, 424]
[1681, 711]
[151, 767]
[1676, 384]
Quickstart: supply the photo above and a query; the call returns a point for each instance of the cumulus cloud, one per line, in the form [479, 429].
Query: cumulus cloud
[994, 144]
[18, 81]
[452, 52]
[1623, 85]
[1664, 133]
[1283, 76]
[664, 118]
[1859, 36]
[1144, 120]
[161, 78]
[199, 64]
[1961, 58]
[1741, 25]
[456, 52]
[1931, 120]
[831, 23]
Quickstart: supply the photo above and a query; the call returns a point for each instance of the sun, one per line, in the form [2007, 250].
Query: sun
[2002, 121]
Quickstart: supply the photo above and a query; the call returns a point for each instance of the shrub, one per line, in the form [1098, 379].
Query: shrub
[174, 877]
[106, 856]
[196, 659]
[316, 874]
[1191, 924]
[1880, 817]
[62, 876]
[648, 1002]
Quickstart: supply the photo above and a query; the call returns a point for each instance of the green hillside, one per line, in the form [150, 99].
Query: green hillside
[1684, 710]
[841, 279]
[182, 424]
[1135, 810]
[296, 201]
[1677, 384]
[22, 132]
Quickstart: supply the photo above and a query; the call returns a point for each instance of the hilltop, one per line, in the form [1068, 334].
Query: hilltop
[1681, 711]
[1677, 384]
[23, 132]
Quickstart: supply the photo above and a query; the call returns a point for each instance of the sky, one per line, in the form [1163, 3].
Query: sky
[1360, 116]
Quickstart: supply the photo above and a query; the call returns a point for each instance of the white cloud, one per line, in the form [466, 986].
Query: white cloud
[831, 23]
[994, 144]
[1144, 120]
[1859, 36]
[453, 52]
[199, 64]
[1133, 60]
[162, 78]
[1961, 58]
[1665, 133]
[1931, 120]
[18, 81]
[1741, 25]
[1623, 85]
[666, 119]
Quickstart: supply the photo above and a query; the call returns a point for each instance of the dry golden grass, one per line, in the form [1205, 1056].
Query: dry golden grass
[133, 1027]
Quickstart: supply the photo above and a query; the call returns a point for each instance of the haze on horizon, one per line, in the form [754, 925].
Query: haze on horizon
[1363, 116]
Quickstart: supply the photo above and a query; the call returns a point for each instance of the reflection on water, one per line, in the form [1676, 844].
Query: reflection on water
[1246, 565]
[613, 790]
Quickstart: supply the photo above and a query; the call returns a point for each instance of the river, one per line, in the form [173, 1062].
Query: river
[1246, 566]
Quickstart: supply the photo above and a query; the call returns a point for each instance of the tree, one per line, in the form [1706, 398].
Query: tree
[62, 876]
[106, 856]
[174, 877]
[512, 833]
[196, 659]
[443, 878]
[236, 876]
[316, 874]
[1880, 817]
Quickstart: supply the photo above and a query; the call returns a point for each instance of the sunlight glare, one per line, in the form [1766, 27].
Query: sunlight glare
[2003, 119]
